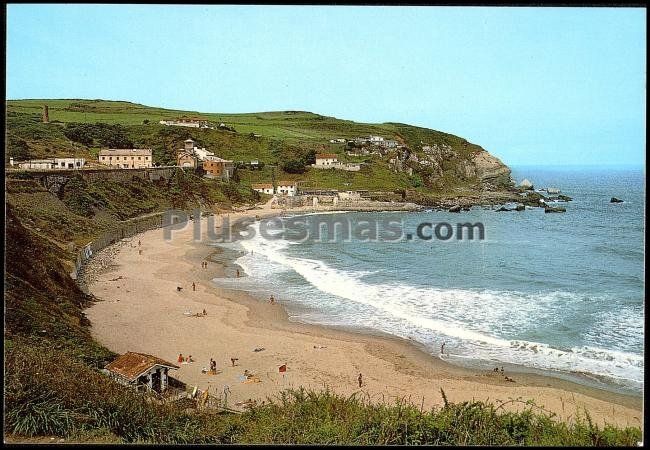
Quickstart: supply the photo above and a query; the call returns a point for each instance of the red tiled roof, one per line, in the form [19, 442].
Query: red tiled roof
[131, 365]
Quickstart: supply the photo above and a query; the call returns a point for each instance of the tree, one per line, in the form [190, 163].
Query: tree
[294, 166]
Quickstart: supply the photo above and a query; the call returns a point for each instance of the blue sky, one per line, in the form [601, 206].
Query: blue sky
[531, 85]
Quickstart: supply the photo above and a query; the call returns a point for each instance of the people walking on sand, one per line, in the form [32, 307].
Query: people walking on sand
[237, 273]
[189, 359]
[272, 300]
[193, 286]
[180, 358]
[139, 242]
[442, 349]
[233, 361]
[205, 313]
[360, 380]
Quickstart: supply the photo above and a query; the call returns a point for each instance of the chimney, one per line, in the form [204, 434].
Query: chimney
[46, 114]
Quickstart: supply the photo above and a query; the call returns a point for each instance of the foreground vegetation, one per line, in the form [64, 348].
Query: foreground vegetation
[53, 394]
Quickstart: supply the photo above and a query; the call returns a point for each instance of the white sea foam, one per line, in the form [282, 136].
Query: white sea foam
[478, 324]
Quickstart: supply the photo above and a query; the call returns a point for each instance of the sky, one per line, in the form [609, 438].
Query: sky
[533, 86]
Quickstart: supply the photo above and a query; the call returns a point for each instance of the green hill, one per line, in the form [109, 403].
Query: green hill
[450, 166]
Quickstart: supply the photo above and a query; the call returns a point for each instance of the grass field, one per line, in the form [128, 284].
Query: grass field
[283, 136]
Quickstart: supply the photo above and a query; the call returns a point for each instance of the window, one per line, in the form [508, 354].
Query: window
[139, 157]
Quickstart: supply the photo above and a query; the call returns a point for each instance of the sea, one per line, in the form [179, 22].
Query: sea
[555, 293]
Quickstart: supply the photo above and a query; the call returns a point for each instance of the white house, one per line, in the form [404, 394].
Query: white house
[191, 122]
[326, 160]
[201, 153]
[39, 164]
[140, 369]
[48, 164]
[375, 139]
[69, 163]
[288, 188]
[264, 188]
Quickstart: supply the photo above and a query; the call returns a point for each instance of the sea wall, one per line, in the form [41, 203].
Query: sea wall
[126, 229]
[55, 180]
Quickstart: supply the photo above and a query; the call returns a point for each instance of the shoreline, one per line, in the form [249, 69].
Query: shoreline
[317, 356]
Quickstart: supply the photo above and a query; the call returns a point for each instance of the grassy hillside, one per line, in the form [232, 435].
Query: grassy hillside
[81, 127]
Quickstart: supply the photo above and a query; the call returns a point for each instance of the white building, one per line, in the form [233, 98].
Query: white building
[69, 163]
[264, 188]
[375, 139]
[288, 188]
[37, 164]
[201, 153]
[326, 160]
[134, 158]
[49, 164]
[186, 122]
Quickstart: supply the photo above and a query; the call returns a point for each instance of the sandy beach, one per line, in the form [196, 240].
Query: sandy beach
[140, 309]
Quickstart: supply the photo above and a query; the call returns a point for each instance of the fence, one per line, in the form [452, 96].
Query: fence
[126, 229]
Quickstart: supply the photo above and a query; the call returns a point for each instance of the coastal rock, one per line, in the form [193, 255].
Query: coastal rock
[616, 200]
[551, 209]
[503, 209]
[564, 198]
[520, 207]
[455, 209]
[489, 168]
[526, 184]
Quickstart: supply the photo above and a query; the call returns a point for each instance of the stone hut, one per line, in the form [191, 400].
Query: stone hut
[139, 369]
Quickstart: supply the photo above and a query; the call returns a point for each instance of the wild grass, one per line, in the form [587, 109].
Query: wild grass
[50, 393]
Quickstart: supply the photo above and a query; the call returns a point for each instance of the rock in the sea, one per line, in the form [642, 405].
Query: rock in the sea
[551, 209]
[553, 190]
[564, 198]
[503, 208]
[616, 200]
[526, 184]
[520, 207]
[455, 208]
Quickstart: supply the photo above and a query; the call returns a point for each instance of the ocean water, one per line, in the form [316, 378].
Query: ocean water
[562, 293]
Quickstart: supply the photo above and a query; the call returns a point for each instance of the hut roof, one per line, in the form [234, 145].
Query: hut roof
[131, 365]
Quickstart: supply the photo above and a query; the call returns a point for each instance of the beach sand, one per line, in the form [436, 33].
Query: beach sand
[140, 309]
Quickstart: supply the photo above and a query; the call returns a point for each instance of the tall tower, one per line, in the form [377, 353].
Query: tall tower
[46, 114]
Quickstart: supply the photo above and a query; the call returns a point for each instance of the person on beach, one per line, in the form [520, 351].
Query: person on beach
[205, 312]
[193, 286]
[233, 361]
[272, 300]
[237, 273]
[180, 358]
[189, 359]
[360, 380]
[139, 243]
[442, 349]
[140, 252]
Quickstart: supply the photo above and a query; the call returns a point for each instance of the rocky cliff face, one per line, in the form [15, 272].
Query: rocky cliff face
[490, 170]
